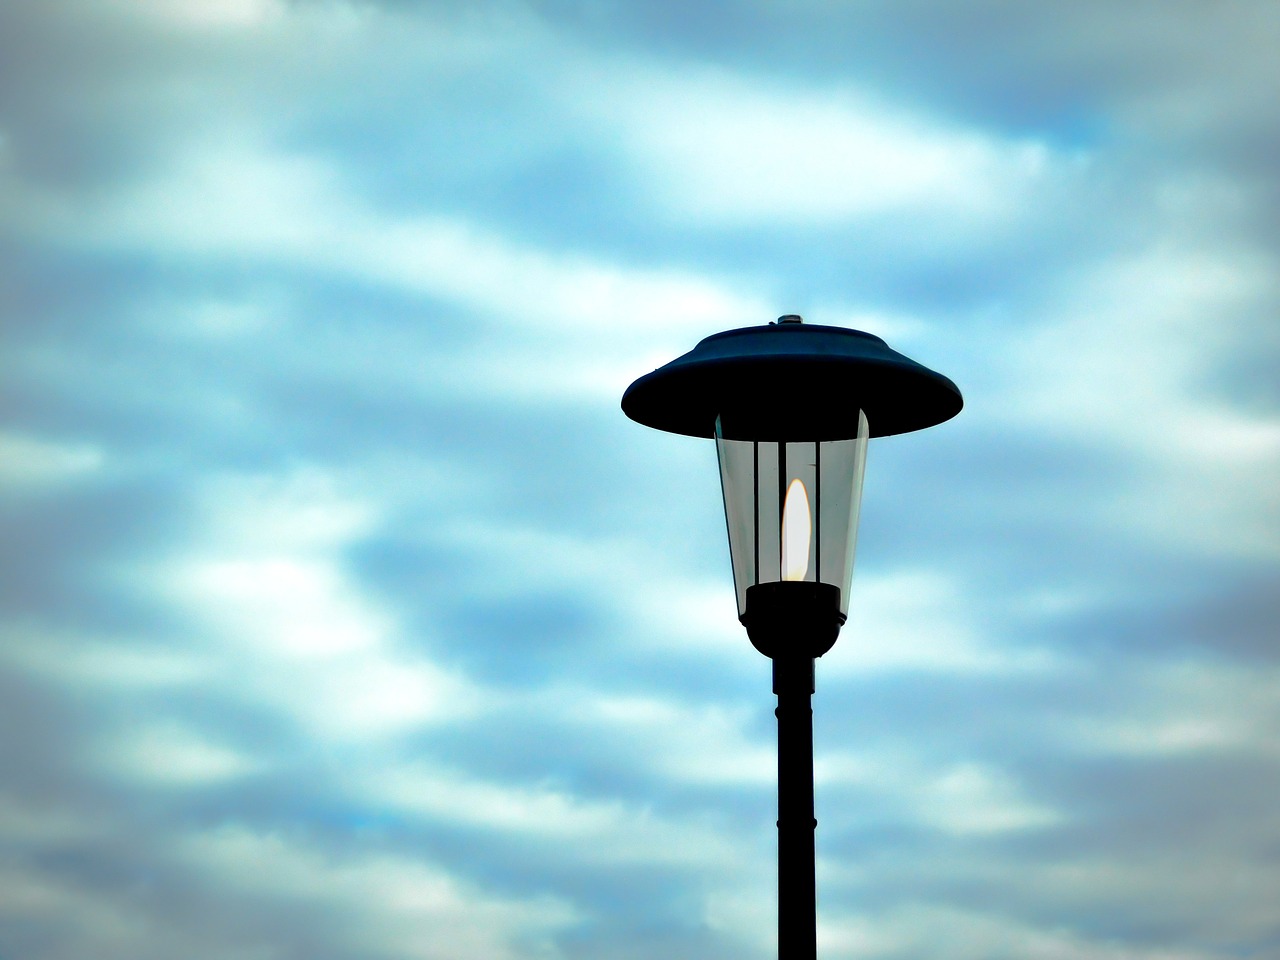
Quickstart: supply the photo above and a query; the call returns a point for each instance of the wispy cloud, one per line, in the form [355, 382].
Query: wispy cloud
[344, 615]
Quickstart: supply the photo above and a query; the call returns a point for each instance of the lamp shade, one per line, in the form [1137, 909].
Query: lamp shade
[791, 380]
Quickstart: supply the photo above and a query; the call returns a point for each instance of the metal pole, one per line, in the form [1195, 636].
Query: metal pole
[797, 883]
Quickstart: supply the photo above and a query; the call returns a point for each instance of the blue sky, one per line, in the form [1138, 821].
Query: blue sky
[344, 615]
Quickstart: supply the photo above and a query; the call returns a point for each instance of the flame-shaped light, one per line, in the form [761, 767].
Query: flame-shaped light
[797, 528]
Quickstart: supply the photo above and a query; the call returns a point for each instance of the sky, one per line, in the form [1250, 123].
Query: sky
[344, 615]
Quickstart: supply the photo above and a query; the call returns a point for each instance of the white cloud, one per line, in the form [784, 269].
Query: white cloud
[964, 799]
[244, 198]
[387, 904]
[104, 662]
[236, 894]
[28, 462]
[675, 741]
[921, 620]
[206, 14]
[1187, 707]
[974, 934]
[360, 699]
[169, 753]
[285, 605]
[86, 921]
[970, 799]
[291, 625]
[267, 568]
[1124, 365]
[720, 148]
[552, 818]
[577, 324]
[746, 910]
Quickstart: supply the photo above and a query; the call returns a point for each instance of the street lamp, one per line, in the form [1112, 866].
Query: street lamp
[791, 407]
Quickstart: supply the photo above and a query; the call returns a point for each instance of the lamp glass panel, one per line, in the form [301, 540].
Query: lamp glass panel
[844, 462]
[738, 483]
[791, 509]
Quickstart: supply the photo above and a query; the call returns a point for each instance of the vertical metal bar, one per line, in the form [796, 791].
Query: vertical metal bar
[782, 497]
[755, 484]
[797, 881]
[817, 511]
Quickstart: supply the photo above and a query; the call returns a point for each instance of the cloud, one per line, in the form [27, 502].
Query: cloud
[396, 896]
[169, 754]
[917, 621]
[239, 892]
[27, 463]
[1219, 708]
[722, 150]
[345, 615]
[1124, 365]
[976, 933]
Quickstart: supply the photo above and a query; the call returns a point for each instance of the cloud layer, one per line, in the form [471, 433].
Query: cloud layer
[344, 614]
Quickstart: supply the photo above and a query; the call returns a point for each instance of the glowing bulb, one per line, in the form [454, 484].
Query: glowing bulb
[797, 528]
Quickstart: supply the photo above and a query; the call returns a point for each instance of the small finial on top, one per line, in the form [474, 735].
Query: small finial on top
[791, 318]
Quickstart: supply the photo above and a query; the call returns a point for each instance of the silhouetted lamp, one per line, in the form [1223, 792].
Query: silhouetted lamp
[791, 407]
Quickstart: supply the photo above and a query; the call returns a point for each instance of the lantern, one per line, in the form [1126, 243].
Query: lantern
[791, 407]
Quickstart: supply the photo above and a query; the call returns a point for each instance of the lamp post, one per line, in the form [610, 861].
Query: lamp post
[791, 407]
